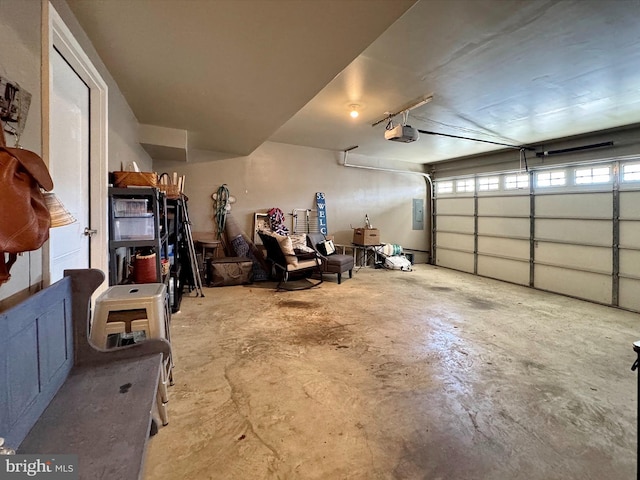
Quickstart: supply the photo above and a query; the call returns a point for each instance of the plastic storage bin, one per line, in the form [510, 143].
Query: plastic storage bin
[131, 207]
[133, 228]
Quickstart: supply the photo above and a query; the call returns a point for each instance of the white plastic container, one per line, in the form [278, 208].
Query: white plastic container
[131, 207]
[133, 228]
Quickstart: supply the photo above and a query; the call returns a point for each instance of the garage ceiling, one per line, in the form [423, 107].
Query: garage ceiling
[234, 74]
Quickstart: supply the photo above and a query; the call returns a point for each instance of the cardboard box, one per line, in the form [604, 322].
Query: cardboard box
[366, 236]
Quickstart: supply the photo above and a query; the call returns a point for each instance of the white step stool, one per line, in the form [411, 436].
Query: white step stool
[127, 301]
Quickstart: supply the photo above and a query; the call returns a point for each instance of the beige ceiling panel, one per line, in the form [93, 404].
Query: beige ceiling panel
[229, 72]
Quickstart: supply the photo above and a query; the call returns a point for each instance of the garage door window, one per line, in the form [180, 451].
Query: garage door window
[587, 176]
[631, 172]
[445, 187]
[551, 179]
[486, 184]
[466, 185]
[512, 182]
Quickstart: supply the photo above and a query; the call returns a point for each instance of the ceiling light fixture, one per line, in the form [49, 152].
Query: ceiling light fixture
[354, 111]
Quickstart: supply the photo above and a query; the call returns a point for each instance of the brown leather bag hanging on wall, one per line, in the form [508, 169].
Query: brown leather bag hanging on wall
[24, 217]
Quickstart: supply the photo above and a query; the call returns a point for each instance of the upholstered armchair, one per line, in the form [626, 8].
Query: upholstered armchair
[286, 262]
[331, 263]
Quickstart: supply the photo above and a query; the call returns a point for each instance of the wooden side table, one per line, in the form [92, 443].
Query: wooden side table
[210, 246]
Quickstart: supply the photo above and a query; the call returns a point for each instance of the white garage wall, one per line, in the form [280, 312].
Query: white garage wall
[288, 176]
[20, 62]
[571, 229]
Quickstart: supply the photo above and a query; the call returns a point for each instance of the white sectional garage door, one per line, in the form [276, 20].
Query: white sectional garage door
[456, 233]
[573, 230]
[629, 237]
[503, 232]
[573, 243]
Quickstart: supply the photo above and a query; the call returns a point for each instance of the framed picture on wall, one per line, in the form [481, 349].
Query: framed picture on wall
[14, 107]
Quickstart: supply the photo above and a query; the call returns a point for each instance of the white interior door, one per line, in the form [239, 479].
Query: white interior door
[77, 151]
[69, 165]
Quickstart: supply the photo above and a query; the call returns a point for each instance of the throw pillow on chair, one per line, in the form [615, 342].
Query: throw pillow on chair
[327, 247]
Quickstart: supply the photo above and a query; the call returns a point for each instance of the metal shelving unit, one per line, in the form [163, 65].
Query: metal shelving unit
[137, 220]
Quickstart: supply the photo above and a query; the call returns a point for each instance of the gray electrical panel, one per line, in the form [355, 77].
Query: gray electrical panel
[418, 214]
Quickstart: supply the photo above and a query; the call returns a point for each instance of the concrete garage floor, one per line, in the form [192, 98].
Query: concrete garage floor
[431, 374]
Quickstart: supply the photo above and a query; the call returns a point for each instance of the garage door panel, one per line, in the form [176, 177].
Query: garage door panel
[503, 269]
[457, 241]
[455, 206]
[585, 205]
[575, 256]
[504, 206]
[589, 286]
[506, 247]
[630, 233]
[628, 296]
[596, 232]
[456, 260]
[630, 263]
[629, 202]
[508, 227]
[455, 224]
